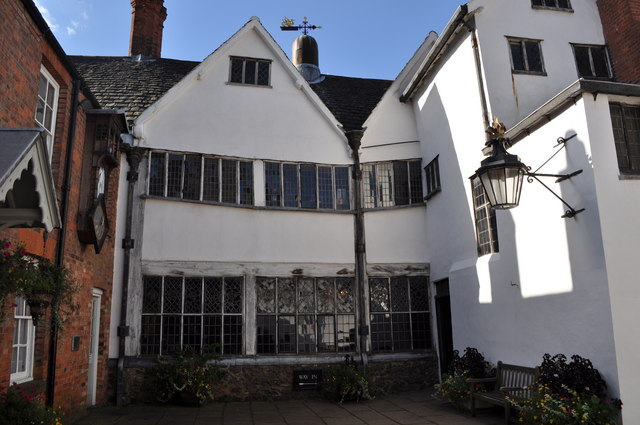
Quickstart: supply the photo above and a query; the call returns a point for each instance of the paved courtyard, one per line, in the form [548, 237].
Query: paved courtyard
[400, 409]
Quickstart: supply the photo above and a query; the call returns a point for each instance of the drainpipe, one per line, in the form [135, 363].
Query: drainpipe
[354, 137]
[64, 207]
[481, 89]
[134, 156]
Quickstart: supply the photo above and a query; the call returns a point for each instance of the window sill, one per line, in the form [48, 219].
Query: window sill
[395, 207]
[432, 194]
[229, 83]
[629, 176]
[22, 380]
[555, 9]
[534, 73]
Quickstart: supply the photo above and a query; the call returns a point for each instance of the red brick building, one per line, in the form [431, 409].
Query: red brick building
[58, 191]
[621, 26]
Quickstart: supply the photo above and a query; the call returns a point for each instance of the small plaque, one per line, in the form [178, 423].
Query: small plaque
[308, 379]
[75, 343]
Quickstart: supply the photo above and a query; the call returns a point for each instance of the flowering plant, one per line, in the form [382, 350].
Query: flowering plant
[187, 377]
[454, 386]
[547, 407]
[41, 282]
[346, 382]
[25, 407]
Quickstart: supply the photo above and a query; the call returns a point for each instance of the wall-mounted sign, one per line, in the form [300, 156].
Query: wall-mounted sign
[308, 379]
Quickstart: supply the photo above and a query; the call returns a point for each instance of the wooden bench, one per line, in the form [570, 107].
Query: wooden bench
[510, 381]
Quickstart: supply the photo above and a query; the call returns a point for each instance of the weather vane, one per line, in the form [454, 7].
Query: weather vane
[289, 25]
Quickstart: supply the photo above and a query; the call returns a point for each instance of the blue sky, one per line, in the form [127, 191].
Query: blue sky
[368, 39]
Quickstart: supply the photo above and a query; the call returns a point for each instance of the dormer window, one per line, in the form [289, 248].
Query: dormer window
[255, 72]
[551, 4]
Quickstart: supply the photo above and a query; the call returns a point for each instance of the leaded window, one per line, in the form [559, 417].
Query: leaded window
[626, 134]
[399, 313]
[526, 56]
[432, 171]
[552, 4]
[200, 178]
[23, 344]
[47, 106]
[249, 71]
[305, 315]
[308, 186]
[387, 184]
[191, 312]
[485, 218]
[592, 61]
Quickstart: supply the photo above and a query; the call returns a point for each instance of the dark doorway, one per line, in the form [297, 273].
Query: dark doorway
[443, 318]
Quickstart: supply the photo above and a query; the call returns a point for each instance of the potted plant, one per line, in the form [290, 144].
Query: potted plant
[42, 283]
[347, 382]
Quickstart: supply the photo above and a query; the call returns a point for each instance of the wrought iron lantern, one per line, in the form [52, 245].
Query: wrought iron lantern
[502, 173]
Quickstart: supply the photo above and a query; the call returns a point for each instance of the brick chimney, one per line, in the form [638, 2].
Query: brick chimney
[621, 25]
[147, 22]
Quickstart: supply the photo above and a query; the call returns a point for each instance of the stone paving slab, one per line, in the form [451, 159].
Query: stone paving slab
[411, 408]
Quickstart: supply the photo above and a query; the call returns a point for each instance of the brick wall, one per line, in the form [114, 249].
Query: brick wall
[147, 23]
[23, 50]
[621, 24]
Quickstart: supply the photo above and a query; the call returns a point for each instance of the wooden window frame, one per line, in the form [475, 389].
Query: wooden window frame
[526, 65]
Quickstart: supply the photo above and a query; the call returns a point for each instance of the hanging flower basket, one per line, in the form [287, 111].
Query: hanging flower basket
[38, 305]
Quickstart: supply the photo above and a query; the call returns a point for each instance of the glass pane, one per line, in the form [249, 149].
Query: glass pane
[249, 71]
[48, 117]
[233, 295]
[381, 332]
[325, 296]
[346, 332]
[212, 332]
[305, 296]
[415, 181]
[401, 332]
[369, 186]
[379, 293]
[150, 335]
[384, 184]
[22, 359]
[266, 334]
[617, 122]
[345, 292]
[24, 331]
[342, 188]
[564, 4]
[229, 181]
[172, 295]
[266, 295]
[420, 330]
[232, 332]
[286, 334]
[419, 293]
[51, 94]
[246, 182]
[306, 334]
[583, 61]
[517, 58]
[286, 296]
[16, 332]
[174, 176]
[536, 2]
[308, 186]
[401, 182]
[42, 87]
[20, 306]
[211, 180]
[40, 111]
[326, 333]
[599, 57]
[325, 187]
[236, 70]
[156, 174]
[192, 169]
[399, 294]
[263, 73]
[192, 332]
[170, 334]
[290, 181]
[193, 295]
[212, 295]
[14, 360]
[272, 184]
[534, 56]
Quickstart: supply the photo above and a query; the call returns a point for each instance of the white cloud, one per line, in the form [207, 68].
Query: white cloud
[47, 16]
[71, 31]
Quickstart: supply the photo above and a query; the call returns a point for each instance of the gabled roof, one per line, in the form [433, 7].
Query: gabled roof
[132, 85]
[125, 83]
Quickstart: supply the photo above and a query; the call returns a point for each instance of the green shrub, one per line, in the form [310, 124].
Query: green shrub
[346, 382]
[20, 406]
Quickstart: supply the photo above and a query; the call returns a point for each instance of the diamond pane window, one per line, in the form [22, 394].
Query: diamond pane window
[229, 181]
[342, 188]
[485, 217]
[290, 185]
[157, 173]
[273, 190]
[388, 184]
[174, 176]
[187, 312]
[308, 186]
[310, 318]
[211, 180]
[625, 120]
[400, 323]
[325, 188]
[592, 61]
[249, 71]
[526, 56]
[246, 182]
[192, 170]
